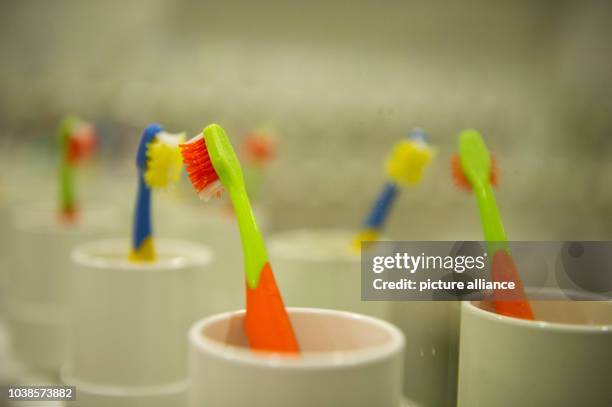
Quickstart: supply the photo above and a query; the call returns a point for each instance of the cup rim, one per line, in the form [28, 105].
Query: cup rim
[115, 390]
[277, 238]
[311, 360]
[189, 254]
[469, 306]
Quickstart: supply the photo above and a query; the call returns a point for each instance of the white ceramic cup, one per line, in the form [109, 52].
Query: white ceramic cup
[130, 321]
[432, 345]
[432, 348]
[38, 279]
[346, 360]
[564, 358]
[320, 268]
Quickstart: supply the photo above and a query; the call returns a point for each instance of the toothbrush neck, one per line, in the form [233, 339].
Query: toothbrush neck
[492, 226]
[382, 207]
[67, 193]
[253, 246]
[142, 214]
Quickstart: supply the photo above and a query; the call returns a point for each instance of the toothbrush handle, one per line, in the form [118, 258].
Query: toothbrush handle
[267, 323]
[143, 247]
[492, 226]
[66, 186]
[253, 246]
[503, 269]
[382, 207]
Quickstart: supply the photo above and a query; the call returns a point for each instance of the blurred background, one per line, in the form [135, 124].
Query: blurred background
[340, 82]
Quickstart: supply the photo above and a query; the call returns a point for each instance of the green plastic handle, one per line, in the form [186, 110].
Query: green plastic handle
[66, 174]
[492, 226]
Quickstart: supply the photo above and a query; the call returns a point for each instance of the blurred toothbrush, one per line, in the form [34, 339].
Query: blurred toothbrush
[258, 150]
[159, 163]
[474, 170]
[404, 167]
[212, 166]
[76, 139]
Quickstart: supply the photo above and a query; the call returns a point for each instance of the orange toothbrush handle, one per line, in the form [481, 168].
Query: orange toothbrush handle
[69, 214]
[504, 270]
[267, 323]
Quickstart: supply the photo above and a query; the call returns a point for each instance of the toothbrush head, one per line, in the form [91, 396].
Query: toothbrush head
[409, 158]
[77, 139]
[473, 164]
[82, 143]
[147, 137]
[164, 162]
[211, 162]
[158, 156]
[418, 135]
[259, 148]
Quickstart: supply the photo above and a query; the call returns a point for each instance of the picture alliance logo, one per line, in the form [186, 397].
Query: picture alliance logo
[449, 270]
[413, 264]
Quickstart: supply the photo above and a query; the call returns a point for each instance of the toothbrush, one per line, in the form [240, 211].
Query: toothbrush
[404, 167]
[258, 150]
[76, 140]
[159, 163]
[473, 169]
[212, 166]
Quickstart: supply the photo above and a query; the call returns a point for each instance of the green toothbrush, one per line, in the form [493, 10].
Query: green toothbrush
[76, 140]
[475, 170]
[212, 165]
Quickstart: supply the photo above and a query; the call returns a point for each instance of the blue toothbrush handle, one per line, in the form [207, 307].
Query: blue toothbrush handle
[142, 216]
[381, 209]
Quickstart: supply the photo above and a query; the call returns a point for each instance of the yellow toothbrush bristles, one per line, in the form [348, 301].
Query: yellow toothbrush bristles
[407, 161]
[164, 161]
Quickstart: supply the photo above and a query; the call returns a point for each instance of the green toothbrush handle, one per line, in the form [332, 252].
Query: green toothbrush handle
[66, 186]
[66, 173]
[492, 225]
[253, 246]
[226, 165]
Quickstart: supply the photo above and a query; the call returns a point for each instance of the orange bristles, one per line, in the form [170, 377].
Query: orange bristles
[259, 148]
[201, 172]
[462, 181]
[82, 144]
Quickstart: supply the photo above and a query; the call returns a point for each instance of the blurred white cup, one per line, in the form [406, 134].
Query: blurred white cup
[39, 277]
[320, 268]
[563, 358]
[130, 321]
